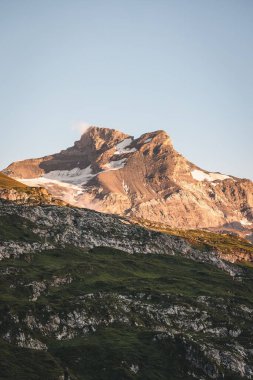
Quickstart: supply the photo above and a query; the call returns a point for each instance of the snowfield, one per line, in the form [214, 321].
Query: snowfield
[245, 222]
[75, 176]
[115, 165]
[68, 185]
[67, 192]
[199, 175]
[121, 147]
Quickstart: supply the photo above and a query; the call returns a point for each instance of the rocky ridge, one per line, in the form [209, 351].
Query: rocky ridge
[63, 226]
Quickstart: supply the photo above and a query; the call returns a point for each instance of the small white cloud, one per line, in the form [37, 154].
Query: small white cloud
[81, 126]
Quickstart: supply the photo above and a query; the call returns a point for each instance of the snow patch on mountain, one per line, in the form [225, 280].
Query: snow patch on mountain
[115, 165]
[121, 147]
[41, 181]
[74, 176]
[125, 187]
[68, 185]
[199, 175]
[67, 192]
[245, 222]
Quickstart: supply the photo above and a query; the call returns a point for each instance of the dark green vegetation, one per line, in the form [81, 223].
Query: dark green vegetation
[110, 270]
[16, 228]
[104, 314]
[112, 347]
[23, 364]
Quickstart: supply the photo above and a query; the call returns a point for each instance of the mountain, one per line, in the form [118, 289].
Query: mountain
[88, 295]
[144, 179]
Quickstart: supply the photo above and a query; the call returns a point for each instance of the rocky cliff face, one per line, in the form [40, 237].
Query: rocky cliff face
[143, 178]
[83, 228]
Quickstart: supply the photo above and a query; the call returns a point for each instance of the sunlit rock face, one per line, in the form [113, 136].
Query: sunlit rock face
[142, 178]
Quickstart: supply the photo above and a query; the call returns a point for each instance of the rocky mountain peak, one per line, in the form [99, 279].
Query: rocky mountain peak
[100, 138]
[144, 178]
[156, 142]
[159, 135]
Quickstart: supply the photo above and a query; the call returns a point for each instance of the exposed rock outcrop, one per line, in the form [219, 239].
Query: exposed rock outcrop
[63, 226]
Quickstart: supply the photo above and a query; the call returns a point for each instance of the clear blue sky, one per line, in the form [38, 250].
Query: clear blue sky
[185, 66]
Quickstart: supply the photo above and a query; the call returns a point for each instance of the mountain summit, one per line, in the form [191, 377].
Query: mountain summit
[143, 178]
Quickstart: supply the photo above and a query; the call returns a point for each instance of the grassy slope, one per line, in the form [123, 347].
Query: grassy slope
[206, 240]
[26, 364]
[9, 183]
[21, 229]
[210, 240]
[100, 355]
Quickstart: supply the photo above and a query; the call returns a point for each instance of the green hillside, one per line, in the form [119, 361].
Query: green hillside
[104, 314]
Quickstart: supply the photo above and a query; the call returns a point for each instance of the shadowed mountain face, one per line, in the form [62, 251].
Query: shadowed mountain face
[145, 179]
